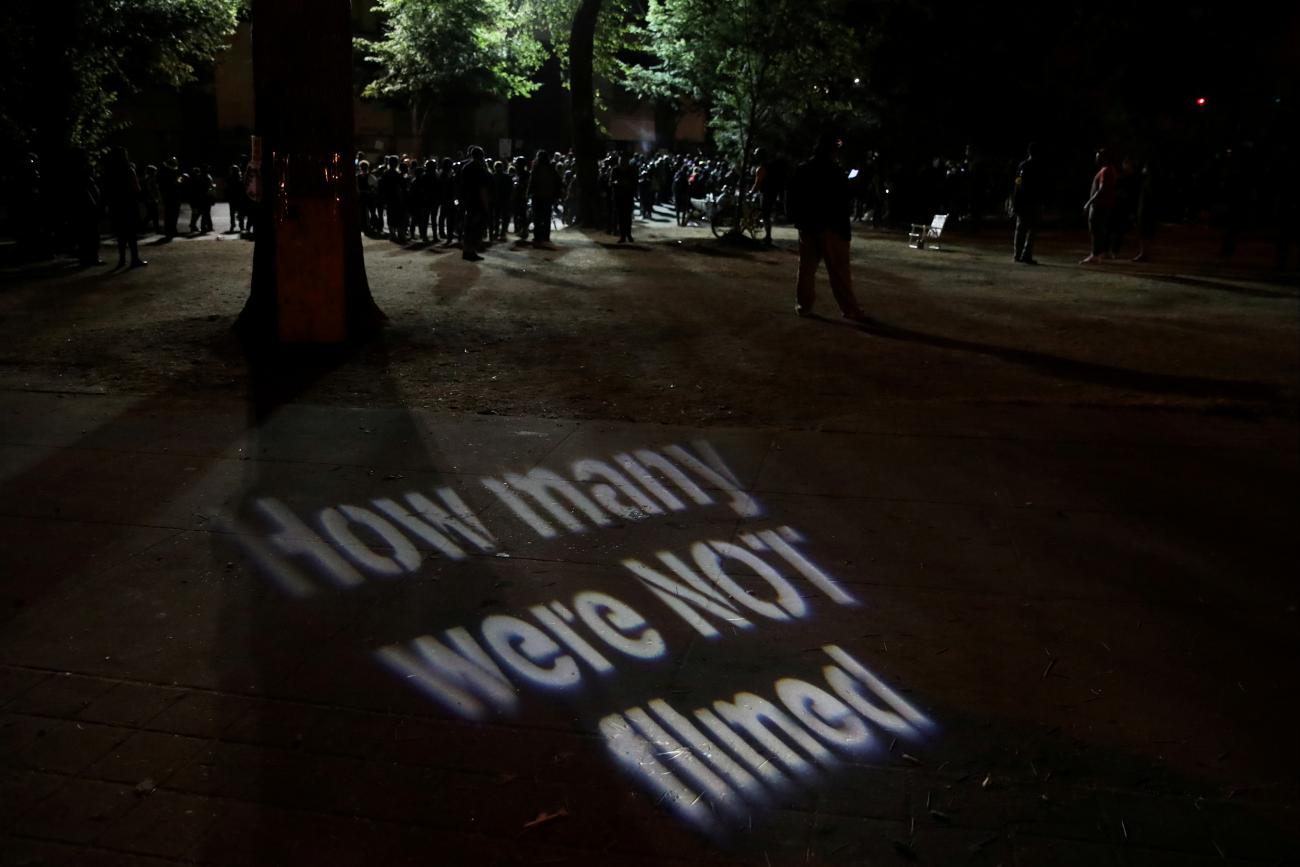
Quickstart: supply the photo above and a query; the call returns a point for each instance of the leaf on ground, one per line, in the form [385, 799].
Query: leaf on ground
[544, 817]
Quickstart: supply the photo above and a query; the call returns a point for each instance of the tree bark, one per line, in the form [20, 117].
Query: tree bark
[742, 191]
[582, 46]
[309, 277]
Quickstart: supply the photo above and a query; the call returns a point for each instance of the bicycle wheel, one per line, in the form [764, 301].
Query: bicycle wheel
[722, 221]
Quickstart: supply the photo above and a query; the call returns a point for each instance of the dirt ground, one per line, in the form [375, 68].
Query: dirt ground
[680, 328]
[1065, 497]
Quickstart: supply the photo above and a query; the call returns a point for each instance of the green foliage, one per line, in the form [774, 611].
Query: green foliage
[423, 56]
[618, 32]
[66, 62]
[434, 50]
[764, 69]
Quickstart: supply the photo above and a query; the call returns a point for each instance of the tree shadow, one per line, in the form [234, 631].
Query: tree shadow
[14, 276]
[1090, 372]
[1219, 285]
[636, 246]
[709, 247]
[332, 735]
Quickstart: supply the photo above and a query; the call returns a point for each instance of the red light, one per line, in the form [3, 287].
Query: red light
[1200, 100]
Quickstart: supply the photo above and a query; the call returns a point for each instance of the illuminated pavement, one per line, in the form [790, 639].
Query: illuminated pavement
[325, 636]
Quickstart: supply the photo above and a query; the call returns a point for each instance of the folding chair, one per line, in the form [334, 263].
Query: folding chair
[922, 236]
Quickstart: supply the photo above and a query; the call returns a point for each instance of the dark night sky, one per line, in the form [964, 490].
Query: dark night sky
[1113, 71]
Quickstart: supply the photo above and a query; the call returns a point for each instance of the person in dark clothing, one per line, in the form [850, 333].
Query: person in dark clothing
[423, 194]
[152, 199]
[122, 193]
[391, 197]
[820, 203]
[200, 195]
[169, 188]
[502, 192]
[253, 197]
[645, 191]
[1026, 207]
[235, 198]
[519, 197]
[447, 183]
[475, 184]
[366, 196]
[623, 181]
[543, 190]
[438, 191]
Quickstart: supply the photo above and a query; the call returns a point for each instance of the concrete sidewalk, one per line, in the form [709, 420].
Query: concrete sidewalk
[292, 634]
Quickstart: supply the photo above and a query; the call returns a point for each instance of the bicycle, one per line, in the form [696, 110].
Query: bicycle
[723, 219]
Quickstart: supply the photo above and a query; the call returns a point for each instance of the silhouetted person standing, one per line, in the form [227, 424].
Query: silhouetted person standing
[366, 196]
[519, 197]
[122, 192]
[502, 193]
[235, 198]
[392, 198]
[543, 190]
[1027, 207]
[1100, 205]
[475, 187]
[623, 180]
[169, 189]
[200, 193]
[447, 183]
[424, 199]
[821, 204]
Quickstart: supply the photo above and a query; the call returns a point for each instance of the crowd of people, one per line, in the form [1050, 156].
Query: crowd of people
[465, 195]
[63, 211]
[412, 199]
[461, 200]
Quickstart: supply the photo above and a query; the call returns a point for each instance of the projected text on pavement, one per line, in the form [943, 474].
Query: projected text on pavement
[705, 762]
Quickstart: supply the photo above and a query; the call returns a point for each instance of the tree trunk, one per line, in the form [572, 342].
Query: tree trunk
[742, 191]
[582, 44]
[309, 278]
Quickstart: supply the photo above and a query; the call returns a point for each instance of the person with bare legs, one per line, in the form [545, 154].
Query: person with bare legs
[1105, 191]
